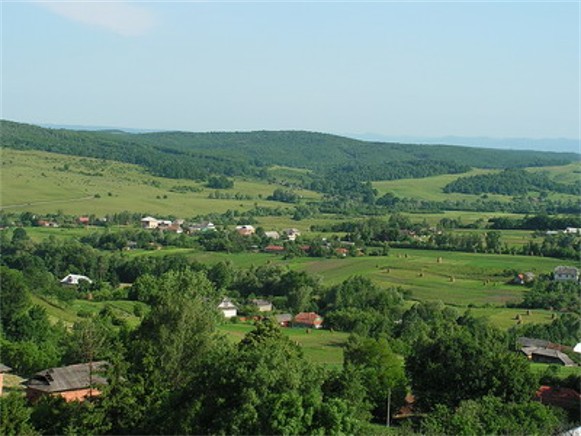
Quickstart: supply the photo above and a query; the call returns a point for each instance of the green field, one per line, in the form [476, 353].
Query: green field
[478, 279]
[431, 188]
[71, 312]
[320, 346]
[38, 182]
[562, 372]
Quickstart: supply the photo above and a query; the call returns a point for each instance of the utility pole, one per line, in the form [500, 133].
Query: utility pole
[388, 418]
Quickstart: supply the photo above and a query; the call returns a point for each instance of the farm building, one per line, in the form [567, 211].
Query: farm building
[228, 308]
[73, 382]
[272, 235]
[84, 220]
[547, 355]
[283, 319]
[44, 223]
[522, 279]
[245, 230]
[75, 279]
[566, 274]
[291, 234]
[308, 319]
[565, 398]
[273, 249]
[205, 226]
[3, 369]
[262, 305]
[149, 222]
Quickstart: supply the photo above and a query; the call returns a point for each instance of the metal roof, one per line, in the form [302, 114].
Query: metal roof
[68, 378]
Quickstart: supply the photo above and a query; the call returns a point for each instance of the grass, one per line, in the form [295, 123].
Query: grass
[431, 188]
[319, 346]
[562, 372]
[513, 238]
[478, 279]
[38, 182]
[71, 312]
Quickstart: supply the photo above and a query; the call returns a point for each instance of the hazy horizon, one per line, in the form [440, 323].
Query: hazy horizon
[426, 70]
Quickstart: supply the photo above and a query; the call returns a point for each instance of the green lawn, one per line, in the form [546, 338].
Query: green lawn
[320, 346]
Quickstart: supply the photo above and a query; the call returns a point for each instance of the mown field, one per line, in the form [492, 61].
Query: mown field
[431, 188]
[320, 346]
[47, 182]
[74, 311]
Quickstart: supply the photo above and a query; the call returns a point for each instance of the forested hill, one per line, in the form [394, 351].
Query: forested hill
[195, 155]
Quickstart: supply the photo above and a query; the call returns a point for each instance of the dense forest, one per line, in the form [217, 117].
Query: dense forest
[510, 182]
[197, 155]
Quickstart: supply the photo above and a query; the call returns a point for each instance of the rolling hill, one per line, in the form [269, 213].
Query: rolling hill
[196, 155]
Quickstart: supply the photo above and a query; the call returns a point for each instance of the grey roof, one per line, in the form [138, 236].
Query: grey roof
[547, 352]
[283, 317]
[4, 368]
[532, 342]
[67, 378]
[566, 270]
[259, 302]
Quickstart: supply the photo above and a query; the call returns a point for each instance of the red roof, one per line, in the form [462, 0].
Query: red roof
[83, 219]
[561, 397]
[273, 248]
[308, 318]
[341, 251]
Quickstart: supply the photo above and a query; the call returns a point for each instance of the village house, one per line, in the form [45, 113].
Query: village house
[45, 223]
[73, 382]
[283, 319]
[308, 319]
[547, 355]
[565, 398]
[573, 231]
[84, 220]
[3, 369]
[272, 234]
[291, 234]
[522, 279]
[566, 274]
[228, 308]
[245, 230]
[204, 226]
[274, 249]
[149, 222]
[74, 280]
[174, 228]
[262, 305]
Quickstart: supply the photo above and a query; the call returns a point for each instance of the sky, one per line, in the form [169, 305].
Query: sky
[493, 69]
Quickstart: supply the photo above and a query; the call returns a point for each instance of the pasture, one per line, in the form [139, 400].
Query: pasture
[71, 312]
[48, 182]
[320, 346]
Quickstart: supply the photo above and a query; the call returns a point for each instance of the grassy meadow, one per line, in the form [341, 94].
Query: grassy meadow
[46, 182]
[320, 346]
[431, 188]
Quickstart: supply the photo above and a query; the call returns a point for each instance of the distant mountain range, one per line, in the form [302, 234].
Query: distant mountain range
[566, 145]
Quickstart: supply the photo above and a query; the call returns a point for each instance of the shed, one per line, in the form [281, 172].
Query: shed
[73, 382]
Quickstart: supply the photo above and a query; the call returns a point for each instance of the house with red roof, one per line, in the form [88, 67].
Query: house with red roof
[308, 319]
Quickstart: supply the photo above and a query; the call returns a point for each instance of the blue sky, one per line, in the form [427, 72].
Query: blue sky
[421, 69]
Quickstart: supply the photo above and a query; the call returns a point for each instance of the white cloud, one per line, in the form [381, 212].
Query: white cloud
[122, 18]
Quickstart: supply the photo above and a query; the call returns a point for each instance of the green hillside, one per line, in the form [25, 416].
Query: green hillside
[196, 155]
